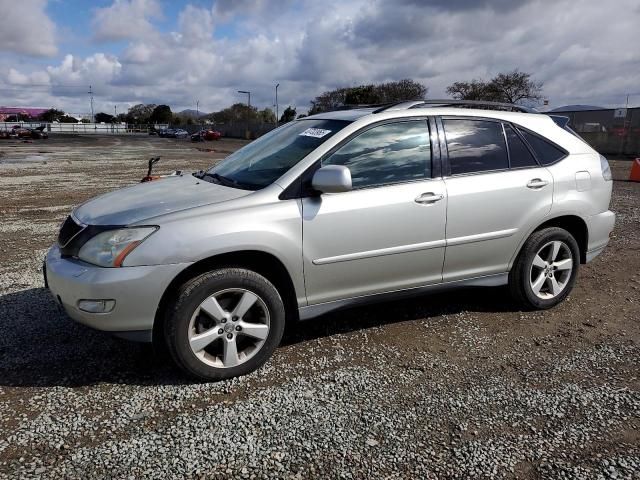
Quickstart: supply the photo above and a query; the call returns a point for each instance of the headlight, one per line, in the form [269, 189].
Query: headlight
[109, 249]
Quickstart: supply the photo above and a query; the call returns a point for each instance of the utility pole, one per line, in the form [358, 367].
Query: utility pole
[93, 118]
[277, 85]
[248, 110]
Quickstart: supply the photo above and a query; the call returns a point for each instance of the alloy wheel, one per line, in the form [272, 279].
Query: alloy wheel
[229, 327]
[551, 270]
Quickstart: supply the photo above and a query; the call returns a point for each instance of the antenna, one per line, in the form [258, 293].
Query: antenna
[93, 118]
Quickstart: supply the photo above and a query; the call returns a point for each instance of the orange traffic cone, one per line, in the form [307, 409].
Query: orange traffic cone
[634, 175]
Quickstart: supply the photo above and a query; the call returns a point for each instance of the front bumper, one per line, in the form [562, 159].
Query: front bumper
[600, 227]
[136, 290]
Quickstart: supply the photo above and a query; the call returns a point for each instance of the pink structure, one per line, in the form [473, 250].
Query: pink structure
[6, 112]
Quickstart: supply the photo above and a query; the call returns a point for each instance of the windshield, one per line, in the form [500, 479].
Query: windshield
[266, 159]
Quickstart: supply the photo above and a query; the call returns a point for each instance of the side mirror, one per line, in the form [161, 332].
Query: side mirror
[332, 179]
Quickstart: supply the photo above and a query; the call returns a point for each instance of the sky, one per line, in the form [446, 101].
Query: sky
[180, 53]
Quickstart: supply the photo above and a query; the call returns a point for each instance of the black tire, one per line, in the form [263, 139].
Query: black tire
[521, 273]
[197, 290]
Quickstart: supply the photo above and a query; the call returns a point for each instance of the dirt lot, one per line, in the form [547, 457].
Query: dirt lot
[461, 385]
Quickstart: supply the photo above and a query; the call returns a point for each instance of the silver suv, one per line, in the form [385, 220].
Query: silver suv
[330, 211]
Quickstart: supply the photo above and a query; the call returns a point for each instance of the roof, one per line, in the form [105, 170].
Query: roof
[351, 115]
[576, 108]
[435, 107]
[33, 111]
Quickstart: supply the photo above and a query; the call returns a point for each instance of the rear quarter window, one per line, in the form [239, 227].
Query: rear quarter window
[519, 154]
[546, 152]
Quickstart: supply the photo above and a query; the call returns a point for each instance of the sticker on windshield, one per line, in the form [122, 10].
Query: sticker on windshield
[315, 132]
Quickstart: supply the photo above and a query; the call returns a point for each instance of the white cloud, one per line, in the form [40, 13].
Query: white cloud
[98, 69]
[320, 46]
[26, 28]
[126, 19]
[196, 25]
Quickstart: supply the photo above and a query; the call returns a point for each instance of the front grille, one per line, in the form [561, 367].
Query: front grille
[69, 230]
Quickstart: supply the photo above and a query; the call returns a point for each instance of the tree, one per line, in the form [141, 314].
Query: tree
[140, 113]
[473, 90]
[67, 119]
[178, 119]
[516, 86]
[266, 115]
[51, 115]
[161, 114]
[104, 117]
[288, 115]
[510, 87]
[238, 112]
[382, 93]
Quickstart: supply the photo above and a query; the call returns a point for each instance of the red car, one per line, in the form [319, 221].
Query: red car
[203, 135]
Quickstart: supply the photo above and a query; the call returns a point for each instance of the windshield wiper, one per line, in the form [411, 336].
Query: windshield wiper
[220, 179]
[229, 182]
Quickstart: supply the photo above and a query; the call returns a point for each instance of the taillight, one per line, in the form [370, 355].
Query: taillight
[606, 169]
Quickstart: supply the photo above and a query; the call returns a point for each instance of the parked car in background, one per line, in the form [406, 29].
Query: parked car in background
[330, 211]
[173, 133]
[203, 135]
[165, 132]
[180, 133]
[33, 133]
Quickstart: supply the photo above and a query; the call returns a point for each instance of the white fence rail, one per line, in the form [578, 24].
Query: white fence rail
[84, 128]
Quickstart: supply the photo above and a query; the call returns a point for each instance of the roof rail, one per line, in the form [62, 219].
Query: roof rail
[390, 107]
[477, 104]
[455, 103]
[354, 106]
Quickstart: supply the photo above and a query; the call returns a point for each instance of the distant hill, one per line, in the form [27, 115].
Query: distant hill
[189, 112]
[576, 108]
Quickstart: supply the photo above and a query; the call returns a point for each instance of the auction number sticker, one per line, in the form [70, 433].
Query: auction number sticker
[315, 132]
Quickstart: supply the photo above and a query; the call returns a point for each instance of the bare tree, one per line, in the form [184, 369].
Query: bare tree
[473, 90]
[389, 92]
[510, 87]
[516, 86]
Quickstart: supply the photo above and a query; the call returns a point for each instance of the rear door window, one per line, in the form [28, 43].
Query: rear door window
[546, 152]
[519, 154]
[475, 146]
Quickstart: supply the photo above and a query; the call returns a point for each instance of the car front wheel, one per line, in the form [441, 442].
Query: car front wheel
[545, 271]
[224, 323]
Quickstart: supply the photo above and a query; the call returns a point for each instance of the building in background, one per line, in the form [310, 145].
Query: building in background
[31, 112]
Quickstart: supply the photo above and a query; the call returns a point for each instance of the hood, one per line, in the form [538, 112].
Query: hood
[151, 199]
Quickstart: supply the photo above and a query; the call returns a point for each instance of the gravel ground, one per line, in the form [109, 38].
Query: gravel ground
[461, 385]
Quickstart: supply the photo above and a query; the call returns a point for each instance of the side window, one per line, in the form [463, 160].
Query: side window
[546, 152]
[475, 146]
[519, 154]
[390, 153]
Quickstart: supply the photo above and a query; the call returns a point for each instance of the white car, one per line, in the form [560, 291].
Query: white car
[330, 211]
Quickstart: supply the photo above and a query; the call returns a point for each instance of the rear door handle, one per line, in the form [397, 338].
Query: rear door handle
[537, 183]
[429, 197]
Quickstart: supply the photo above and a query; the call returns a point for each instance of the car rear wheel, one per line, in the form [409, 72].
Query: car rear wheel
[545, 271]
[224, 323]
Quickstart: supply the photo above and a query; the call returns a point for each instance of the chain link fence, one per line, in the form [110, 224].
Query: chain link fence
[614, 132]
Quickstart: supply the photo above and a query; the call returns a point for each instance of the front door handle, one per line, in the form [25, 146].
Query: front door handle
[429, 198]
[537, 183]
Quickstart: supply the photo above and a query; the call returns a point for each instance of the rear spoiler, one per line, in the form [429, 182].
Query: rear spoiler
[563, 122]
[560, 120]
